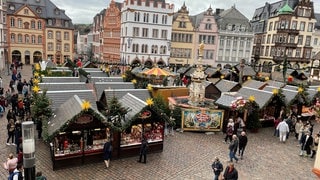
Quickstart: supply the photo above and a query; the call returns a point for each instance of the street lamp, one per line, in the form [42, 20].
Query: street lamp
[28, 147]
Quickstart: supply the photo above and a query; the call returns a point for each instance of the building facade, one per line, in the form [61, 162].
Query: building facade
[111, 33]
[146, 32]
[97, 31]
[3, 36]
[287, 35]
[235, 37]
[38, 30]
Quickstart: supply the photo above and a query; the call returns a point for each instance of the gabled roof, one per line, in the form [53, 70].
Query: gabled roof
[225, 85]
[183, 70]
[262, 98]
[190, 71]
[97, 73]
[142, 94]
[106, 79]
[254, 84]
[68, 110]
[247, 70]
[60, 79]
[275, 83]
[311, 93]
[63, 86]
[210, 70]
[232, 16]
[289, 94]
[134, 104]
[226, 99]
[59, 97]
[101, 86]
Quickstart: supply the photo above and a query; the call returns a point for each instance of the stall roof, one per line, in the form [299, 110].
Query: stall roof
[92, 69]
[227, 98]
[183, 70]
[311, 93]
[225, 85]
[63, 86]
[60, 79]
[60, 97]
[134, 105]
[254, 84]
[288, 93]
[69, 109]
[106, 79]
[142, 94]
[295, 88]
[247, 70]
[275, 83]
[97, 73]
[101, 86]
[261, 97]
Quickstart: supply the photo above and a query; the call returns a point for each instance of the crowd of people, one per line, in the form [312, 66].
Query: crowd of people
[16, 101]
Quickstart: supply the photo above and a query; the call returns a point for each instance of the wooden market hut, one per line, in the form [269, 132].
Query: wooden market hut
[59, 79]
[101, 86]
[77, 134]
[227, 86]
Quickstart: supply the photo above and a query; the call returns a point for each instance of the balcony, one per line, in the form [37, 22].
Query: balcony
[288, 31]
[284, 44]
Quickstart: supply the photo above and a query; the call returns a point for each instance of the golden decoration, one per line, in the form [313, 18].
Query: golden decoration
[275, 91]
[149, 101]
[134, 81]
[318, 89]
[37, 67]
[85, 105]
[149, 87]
[266, 78]
[123, 76]
[36, 81]
[252, 98]
[222, 77]
[300, 90]
[36, 89]
[36, 74]
[249, 78]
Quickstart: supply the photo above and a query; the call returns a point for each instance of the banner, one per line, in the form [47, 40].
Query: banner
[202, 120]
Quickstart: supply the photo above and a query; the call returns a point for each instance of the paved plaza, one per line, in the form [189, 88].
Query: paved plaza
[186, 156]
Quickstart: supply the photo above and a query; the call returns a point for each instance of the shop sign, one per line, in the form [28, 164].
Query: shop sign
[84, 119]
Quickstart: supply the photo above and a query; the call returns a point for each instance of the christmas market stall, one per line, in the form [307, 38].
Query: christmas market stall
[77, 133]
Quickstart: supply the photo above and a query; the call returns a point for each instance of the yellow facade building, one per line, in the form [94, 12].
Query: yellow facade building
[38, 30]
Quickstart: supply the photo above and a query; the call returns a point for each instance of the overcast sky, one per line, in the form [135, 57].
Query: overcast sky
[83, 11]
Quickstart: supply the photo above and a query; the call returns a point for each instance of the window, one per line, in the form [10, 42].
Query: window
[315, 41]
[155, 18]
[33, 24]
[144, 48]
[163, 49]
[19, 38]
[291, 40]
[50, 46]
[39, 25]
[26, 38]
[38, 10]
[164, 19]
[164, 34]
[58, 46]
[26, 25]
[145, 17]
[135, 32]
[135, 48]
[33, 39]
[50, 22]
[298, 52]
[208, 26]
[39, 39]
[302, 24]
[307, 13]
[144, 32]
[182, 24]
[66, 35]
[208, 54]
[267, 51]
[308, 53]
[310, 27]
[155, 33]
[275, 25]
[270, 26]
[154, 49]
[300, 12]
[13, 38]
[26, 11]
[19, 23]
[221, 43]
[308, 40]
[268, 38]
[66, 47]
[50, 35]
[66, 23]
[58, 35]
[137, 16]
[300, 39]
[294, 25]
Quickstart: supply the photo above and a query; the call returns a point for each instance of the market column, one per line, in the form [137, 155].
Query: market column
[28, 146]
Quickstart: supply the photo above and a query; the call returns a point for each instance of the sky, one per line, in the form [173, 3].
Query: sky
[83, 11]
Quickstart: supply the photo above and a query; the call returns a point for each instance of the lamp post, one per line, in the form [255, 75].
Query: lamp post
[28, 146]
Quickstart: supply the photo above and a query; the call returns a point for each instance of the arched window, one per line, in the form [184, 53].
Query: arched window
[33, 24]
[12, 22]
[19, 38]
[33, 39]
[39, 25]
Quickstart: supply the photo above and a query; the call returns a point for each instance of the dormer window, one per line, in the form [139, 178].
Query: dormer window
[66, 23]
[39, 10]
[56, 12]
[50, 22]
[11, 7]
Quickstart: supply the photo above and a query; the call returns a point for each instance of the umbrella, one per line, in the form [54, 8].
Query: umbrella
[156, 72]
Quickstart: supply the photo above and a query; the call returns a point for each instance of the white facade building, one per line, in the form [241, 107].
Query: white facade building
[146, 32]
[3, 36]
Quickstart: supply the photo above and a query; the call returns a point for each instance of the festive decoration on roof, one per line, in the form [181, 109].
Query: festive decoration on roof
[35, 89]
[275, 91]
[300, 90]
[37, 67]
[85, 105]
[149, 87]
[149, 101]
[134, 81]
[36, 81]
[252, 98]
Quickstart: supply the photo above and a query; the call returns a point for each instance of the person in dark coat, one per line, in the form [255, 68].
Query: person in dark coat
[107, 150]
[143, 150]
[39, 128]
[306, 143]
[243, 140]
[233, 148]
[217, 168]
[230, 173]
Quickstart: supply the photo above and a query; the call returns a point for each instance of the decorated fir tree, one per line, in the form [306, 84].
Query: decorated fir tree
[116, 112]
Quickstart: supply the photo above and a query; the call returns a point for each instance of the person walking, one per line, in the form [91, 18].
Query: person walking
[11, 130]
[17, 173]
[230, 129]
[243, 140]
[107, 150]
[283, 130]
[39, 128]
[306, 143]
[230, 173]
[297, 128]
[217, 168]
[11, 163]
[143, 150]
[233, 148]
[39, 176]
[315, 145]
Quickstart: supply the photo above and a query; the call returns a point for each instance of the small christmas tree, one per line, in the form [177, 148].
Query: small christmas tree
[116, 111]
